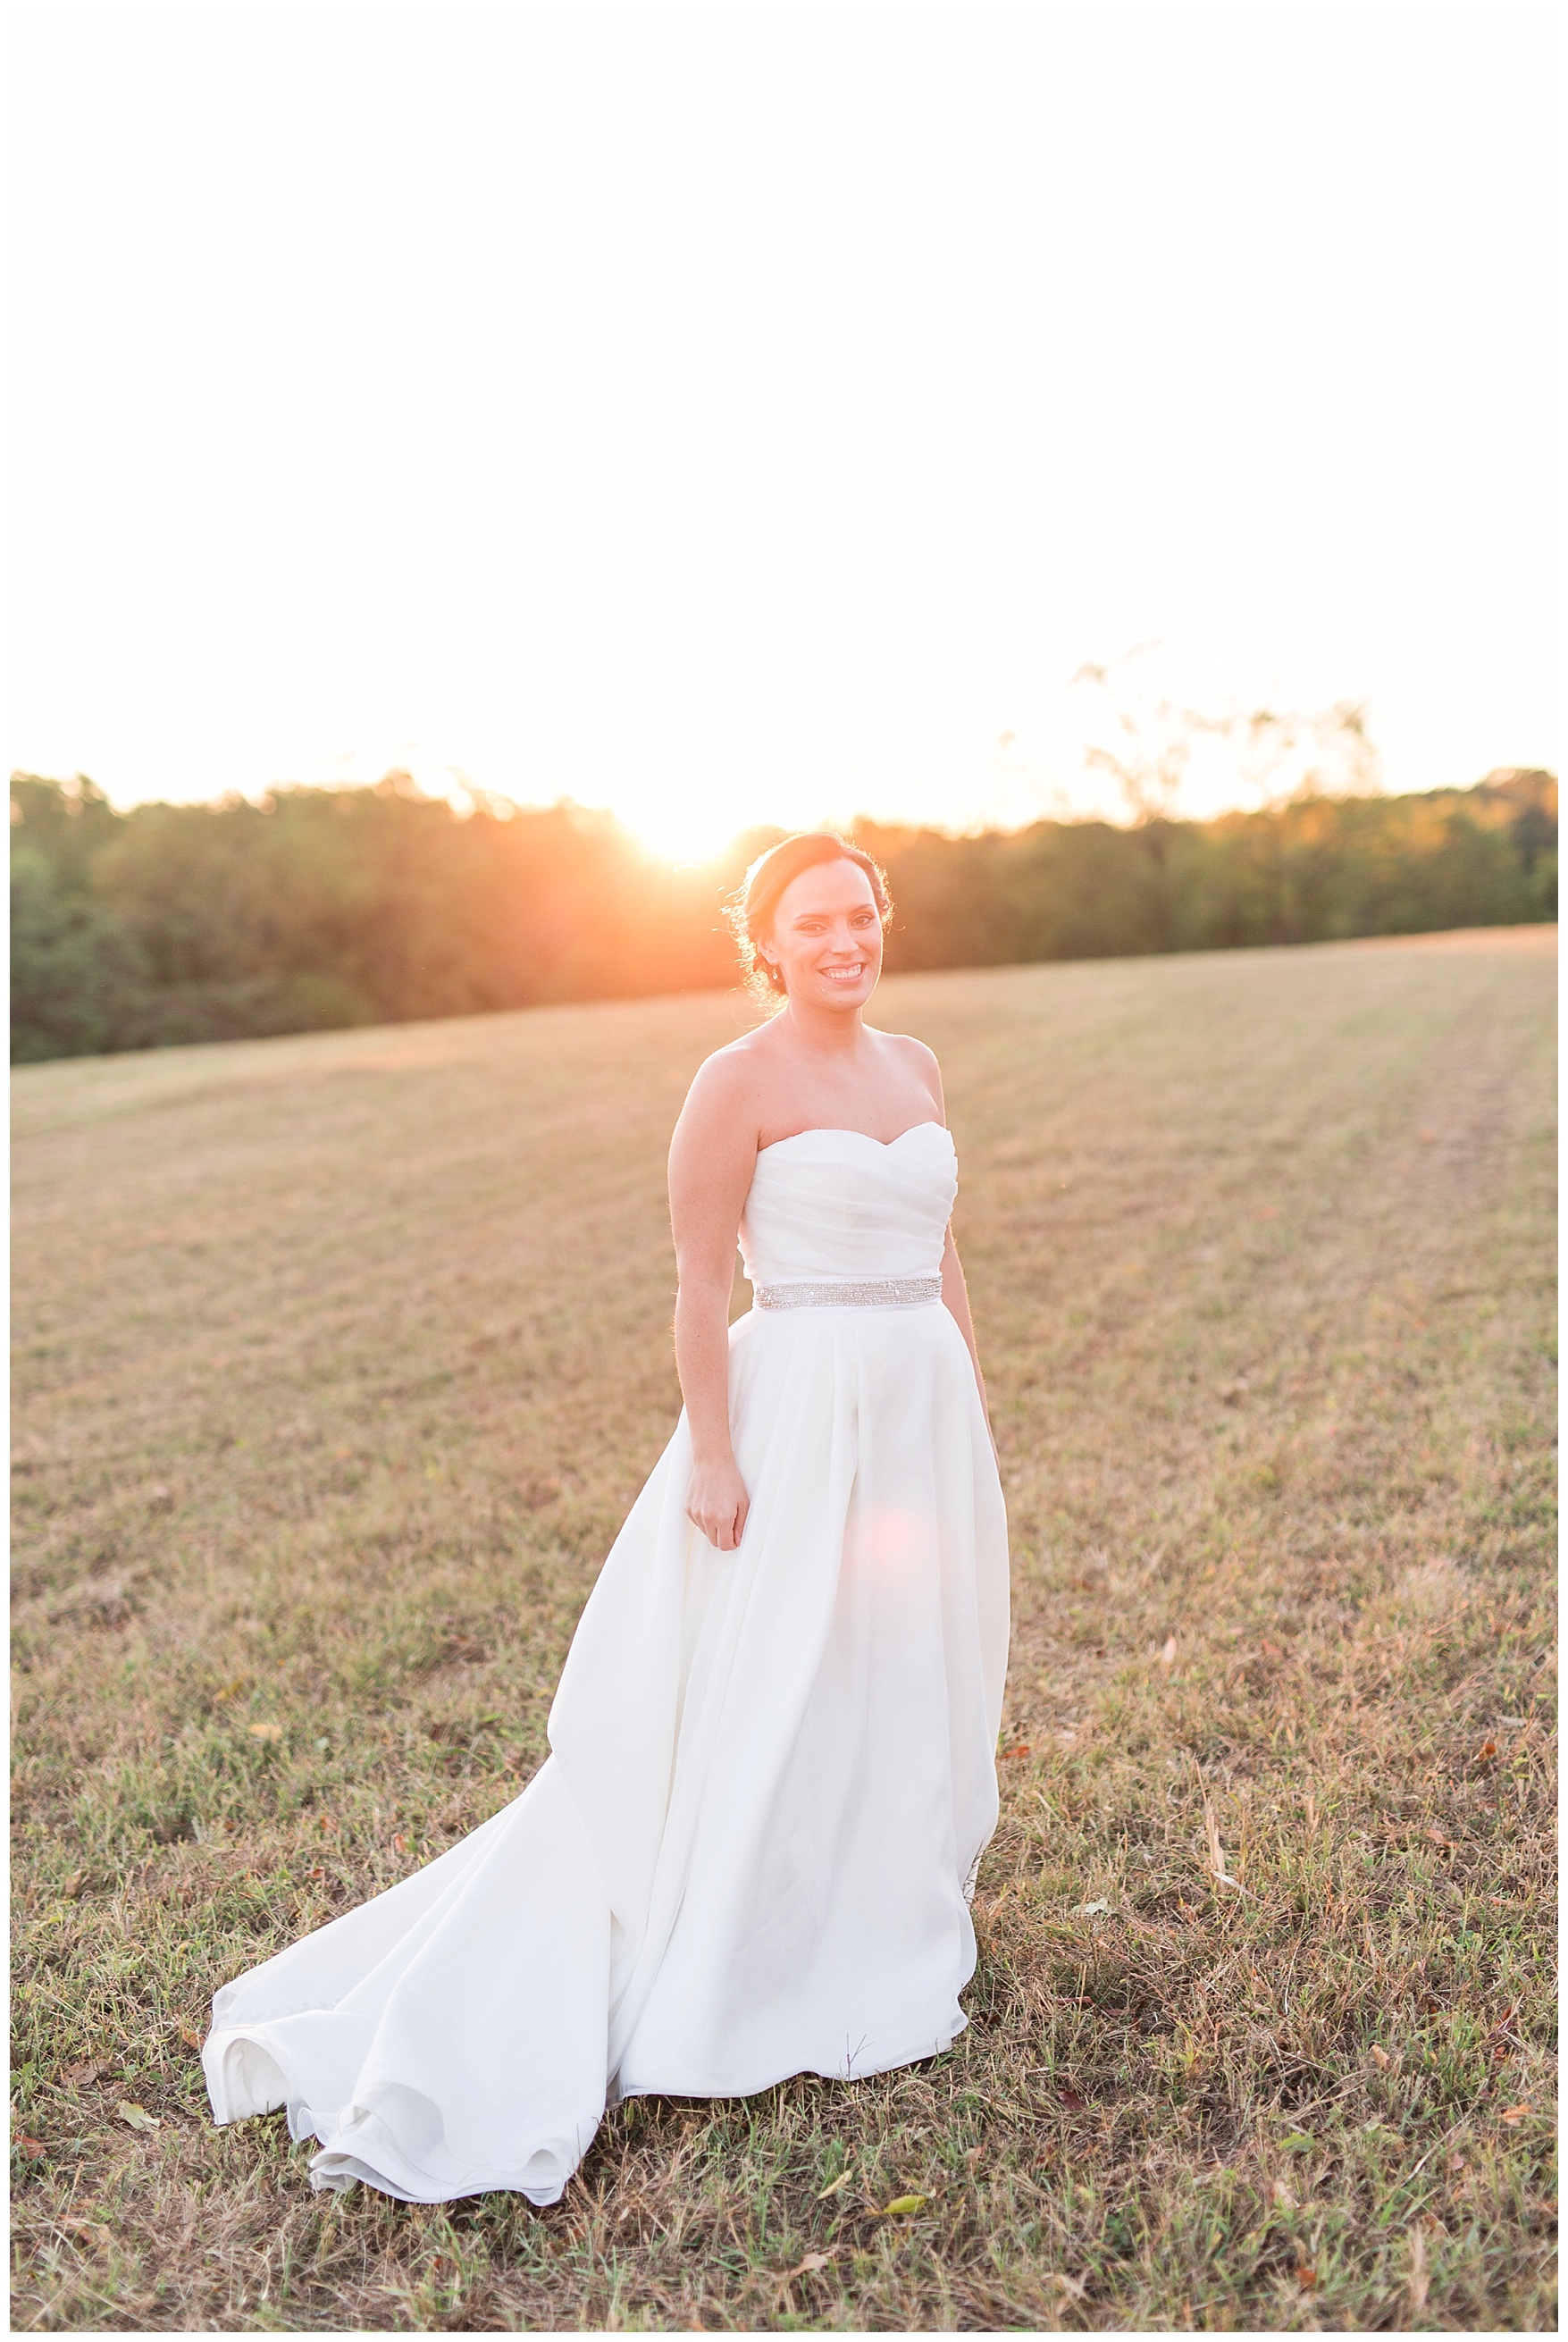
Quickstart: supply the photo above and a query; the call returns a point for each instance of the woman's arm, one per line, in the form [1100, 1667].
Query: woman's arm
[955, 1295]
[713, 1155]
[955, 1292]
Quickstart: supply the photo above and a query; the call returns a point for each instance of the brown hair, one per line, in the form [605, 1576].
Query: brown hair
[750, 913]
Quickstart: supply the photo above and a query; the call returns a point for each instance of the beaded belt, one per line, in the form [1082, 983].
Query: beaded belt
[873, 1293]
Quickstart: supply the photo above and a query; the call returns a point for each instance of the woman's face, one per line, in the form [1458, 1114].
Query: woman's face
[826, 936]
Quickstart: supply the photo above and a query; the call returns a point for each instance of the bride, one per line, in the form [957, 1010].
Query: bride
[772, 1773]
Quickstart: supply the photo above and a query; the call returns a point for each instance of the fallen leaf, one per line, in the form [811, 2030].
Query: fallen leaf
[1168, 1652]
[1512, 2115]
[1072, 2101]
[264, 1731]
[804, 2268]
[1077, 2287]
[1435, 1834]
[833, 2186]
[1298, 2142]
[400, 1844]
[1306, 2275]
[31, 2148]
[74, 1883]
[1487, 1748]
[137, 2117]
[191, 2040]
[1087, 1910]
[1023, 1750]
[1380, 2056]
[87, 2071]
[902, 2203]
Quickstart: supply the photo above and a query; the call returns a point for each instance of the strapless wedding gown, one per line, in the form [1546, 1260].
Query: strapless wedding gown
[750, 1852]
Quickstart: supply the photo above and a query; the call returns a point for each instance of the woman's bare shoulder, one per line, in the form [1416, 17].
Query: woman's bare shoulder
[905, 1050]
[909, 1046]
[738, 1060]
[727, 1084]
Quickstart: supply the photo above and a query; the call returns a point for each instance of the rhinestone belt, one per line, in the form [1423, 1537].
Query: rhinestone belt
[875, 1293]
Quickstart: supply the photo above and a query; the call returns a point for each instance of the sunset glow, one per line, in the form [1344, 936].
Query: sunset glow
[763, 416]
[689, 829]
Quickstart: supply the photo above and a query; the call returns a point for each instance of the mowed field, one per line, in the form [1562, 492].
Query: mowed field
[339, 1360]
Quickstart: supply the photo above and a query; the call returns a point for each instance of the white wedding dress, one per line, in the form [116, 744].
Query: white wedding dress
[750, 1852]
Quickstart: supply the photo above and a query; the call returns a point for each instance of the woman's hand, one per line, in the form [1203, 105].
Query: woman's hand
[717, 1503]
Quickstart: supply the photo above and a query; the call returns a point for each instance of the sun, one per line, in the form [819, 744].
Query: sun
[681, 826]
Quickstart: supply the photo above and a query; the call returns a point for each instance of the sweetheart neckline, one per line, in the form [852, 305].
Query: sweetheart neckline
[831, 1130]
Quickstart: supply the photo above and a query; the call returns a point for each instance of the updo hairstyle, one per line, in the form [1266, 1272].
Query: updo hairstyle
[750, 912]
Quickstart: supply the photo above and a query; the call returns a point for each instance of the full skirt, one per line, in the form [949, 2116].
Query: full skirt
[750, 1851]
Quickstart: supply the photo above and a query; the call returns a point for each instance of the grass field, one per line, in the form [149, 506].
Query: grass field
[338, 1361]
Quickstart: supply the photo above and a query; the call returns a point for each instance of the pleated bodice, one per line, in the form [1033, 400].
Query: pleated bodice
[834, 1203]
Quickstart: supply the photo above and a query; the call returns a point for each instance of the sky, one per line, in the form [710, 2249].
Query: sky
[764, 413]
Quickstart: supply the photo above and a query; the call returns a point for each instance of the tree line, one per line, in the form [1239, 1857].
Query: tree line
[323, 907]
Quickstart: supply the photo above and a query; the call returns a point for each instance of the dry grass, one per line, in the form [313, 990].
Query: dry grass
[339, 1360]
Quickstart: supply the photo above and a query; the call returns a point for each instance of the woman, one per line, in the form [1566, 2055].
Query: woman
[750, 1852]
